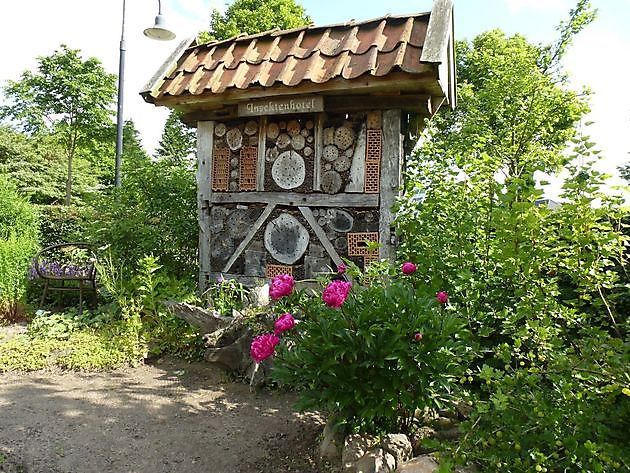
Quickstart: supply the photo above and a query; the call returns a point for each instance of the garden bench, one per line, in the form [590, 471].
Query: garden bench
[67, 267]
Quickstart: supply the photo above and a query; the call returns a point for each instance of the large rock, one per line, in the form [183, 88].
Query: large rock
[420, 435]
[375, 461]
[421, 464]
[233, 356]
[331, 447]
[355, 446]
[398, 445]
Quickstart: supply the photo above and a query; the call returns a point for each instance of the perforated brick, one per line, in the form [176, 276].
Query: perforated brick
[247, 168]
[221, 169]
[374, 148]
[358, 244]
[273, 270]
[372, 181]
[369, 259]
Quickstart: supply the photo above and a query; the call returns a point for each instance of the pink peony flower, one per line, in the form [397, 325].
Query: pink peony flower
[442, 297]
[263, 346]
[418, 336]
[283, 323]
[341, 268]
[408, 268]
[281, 285]
[336, 293]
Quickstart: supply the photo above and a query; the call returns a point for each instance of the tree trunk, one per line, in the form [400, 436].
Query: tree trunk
[69, 180]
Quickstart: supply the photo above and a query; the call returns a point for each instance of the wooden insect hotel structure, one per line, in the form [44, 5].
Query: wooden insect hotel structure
[301, 136]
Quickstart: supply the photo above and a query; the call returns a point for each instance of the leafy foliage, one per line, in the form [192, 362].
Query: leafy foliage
[68, 97]
[154, 213]
[255, 16]
[178, 141]
[18, 243]
[364, 364]
[543, 289]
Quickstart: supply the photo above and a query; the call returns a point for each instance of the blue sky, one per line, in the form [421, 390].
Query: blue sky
[597, 59]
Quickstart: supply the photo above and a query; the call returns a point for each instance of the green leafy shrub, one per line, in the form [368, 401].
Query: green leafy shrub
[144, 294]
[226, 295]
[155, 212]
[18, 243]
[389, 349]
[570, 413]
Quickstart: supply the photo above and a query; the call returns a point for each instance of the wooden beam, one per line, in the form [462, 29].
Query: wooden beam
[391, 169]
[293, 199]
[205, 137]
[439, 30]
[321, 234]
[250, 234]
[260, 165]
[319, 146]
[352, 103]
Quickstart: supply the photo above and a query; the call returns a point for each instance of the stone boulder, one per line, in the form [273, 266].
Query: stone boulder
[398, 445]
[355, 446]
[421, 464]
[375, 461]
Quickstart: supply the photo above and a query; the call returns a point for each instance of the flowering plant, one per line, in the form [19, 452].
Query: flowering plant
[263, 346]
[372, 355]
[281, 286]
[336, 293]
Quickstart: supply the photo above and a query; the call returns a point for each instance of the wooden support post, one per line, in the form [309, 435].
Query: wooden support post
[391, 179]
[319, 146]
[205, 140]
[260, 169]
[321, 234]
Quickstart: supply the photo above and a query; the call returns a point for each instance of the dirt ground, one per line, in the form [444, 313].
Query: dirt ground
[168, 416]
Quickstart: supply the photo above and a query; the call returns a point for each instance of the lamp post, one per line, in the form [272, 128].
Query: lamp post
[158, 32]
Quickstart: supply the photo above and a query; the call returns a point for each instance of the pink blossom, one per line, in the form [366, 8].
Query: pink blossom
[418, 336]
[442, 297]
[263, 346]
[283, 323]
[281, 285]
[341, 268]
[336, 293]
[408, 268]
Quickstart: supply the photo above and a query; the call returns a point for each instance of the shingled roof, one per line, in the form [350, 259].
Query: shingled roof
[312, 55]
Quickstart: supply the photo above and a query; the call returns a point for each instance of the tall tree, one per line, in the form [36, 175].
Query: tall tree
[255, 16]
[177, 142]
[68, 97]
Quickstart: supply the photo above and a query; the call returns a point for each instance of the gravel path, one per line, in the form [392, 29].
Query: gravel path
[170, 416]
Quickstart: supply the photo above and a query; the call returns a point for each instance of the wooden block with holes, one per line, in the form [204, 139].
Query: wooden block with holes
[273, 270]
[248, 162]
[221, 169]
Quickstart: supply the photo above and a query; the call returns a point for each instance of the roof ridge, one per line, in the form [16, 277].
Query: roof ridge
[312, 27]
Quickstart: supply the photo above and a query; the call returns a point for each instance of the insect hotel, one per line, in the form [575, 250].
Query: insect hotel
[301, 136]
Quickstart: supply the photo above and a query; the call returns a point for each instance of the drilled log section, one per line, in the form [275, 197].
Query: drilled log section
[205, 134]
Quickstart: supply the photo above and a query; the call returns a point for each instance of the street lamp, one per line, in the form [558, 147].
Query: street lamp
[158, 32]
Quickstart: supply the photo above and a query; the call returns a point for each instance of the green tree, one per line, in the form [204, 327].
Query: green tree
[177, 142]
[543, 289]
[68, 97]
[255, 16]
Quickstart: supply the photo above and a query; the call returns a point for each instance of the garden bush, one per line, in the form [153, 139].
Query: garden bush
[18, 244]
[372, 356]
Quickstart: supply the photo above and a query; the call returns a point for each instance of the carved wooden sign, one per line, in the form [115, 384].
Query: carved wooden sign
[281, 106]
